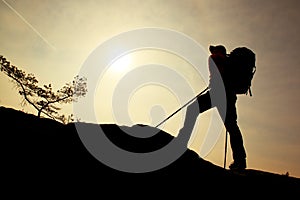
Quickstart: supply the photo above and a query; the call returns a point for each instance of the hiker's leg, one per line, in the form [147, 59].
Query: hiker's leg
[198, 106]
[236, 139]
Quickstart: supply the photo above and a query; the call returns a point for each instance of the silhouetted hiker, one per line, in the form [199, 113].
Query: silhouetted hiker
[218, 58]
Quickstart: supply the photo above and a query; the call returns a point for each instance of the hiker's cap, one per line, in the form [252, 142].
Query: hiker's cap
[220, 48]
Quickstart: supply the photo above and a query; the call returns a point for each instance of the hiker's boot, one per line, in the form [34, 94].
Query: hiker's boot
[238, 165]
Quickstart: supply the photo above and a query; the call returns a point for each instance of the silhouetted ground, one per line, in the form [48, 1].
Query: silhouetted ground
[42, 154]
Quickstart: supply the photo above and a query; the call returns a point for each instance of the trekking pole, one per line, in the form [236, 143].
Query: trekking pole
[225, 149]
[181, 108]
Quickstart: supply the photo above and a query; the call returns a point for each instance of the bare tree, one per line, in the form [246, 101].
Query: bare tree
[44, 99]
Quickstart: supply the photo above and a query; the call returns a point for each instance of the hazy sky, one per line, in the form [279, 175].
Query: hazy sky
[52, 39]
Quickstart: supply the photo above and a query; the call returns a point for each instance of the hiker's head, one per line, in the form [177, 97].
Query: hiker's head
[219, 49]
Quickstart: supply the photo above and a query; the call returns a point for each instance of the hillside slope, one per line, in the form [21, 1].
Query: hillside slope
[45, 151]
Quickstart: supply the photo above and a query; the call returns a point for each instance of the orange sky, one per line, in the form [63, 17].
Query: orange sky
[52, 39]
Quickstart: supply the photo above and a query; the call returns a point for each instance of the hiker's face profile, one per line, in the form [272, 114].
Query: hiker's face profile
[217, 52]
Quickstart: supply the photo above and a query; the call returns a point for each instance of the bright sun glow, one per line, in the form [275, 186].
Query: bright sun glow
[122, 63]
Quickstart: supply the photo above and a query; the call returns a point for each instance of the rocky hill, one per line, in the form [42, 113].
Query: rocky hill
[42, 152]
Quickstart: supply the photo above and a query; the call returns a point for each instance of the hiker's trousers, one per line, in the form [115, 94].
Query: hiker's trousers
[226, 108]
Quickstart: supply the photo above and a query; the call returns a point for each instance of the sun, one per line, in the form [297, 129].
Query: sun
[122, 63]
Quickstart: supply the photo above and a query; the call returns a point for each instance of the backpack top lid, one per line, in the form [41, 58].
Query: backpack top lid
[244, 56]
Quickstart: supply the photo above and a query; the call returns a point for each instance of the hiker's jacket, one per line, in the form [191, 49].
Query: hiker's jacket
[217, 65]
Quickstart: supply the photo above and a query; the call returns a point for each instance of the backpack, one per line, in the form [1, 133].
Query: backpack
[241, 69]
